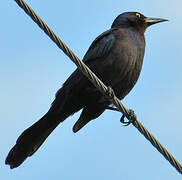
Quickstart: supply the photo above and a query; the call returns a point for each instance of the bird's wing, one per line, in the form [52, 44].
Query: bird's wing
[101, 46]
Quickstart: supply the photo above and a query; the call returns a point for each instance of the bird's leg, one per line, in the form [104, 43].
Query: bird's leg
[131, 118]
[113, 108]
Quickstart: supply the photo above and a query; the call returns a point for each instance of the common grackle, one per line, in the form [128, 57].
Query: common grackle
[116, 57]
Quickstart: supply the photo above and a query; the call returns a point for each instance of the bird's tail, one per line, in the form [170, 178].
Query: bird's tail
[31, 139]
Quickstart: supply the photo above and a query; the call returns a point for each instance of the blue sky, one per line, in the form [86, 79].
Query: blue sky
[33, 69]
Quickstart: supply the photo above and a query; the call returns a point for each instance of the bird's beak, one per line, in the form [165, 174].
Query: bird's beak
[150, 21]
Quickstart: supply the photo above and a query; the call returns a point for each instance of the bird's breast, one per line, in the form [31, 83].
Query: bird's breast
[128, 53]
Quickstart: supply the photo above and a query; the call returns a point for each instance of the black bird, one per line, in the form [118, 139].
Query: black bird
[116, 57]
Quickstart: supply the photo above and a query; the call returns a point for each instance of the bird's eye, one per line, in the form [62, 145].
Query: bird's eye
[138, 15]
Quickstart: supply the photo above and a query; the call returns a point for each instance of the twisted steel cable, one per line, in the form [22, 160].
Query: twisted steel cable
[99, 84]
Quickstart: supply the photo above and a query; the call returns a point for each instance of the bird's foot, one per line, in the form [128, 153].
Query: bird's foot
[110, 93]
[131, 118]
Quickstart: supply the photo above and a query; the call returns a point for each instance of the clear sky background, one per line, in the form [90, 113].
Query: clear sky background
[32, 69]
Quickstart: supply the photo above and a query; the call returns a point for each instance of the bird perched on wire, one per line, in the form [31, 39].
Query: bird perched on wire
[116, 57]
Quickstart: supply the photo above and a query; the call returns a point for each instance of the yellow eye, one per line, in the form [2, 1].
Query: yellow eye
[138, 15]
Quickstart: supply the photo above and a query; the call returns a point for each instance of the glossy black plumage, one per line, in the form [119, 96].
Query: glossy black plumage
[116, 57]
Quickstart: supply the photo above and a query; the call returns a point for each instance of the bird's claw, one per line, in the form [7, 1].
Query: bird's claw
[110, 93]
[131, 118]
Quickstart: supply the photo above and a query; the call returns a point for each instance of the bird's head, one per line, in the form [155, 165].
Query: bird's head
[136, 20]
